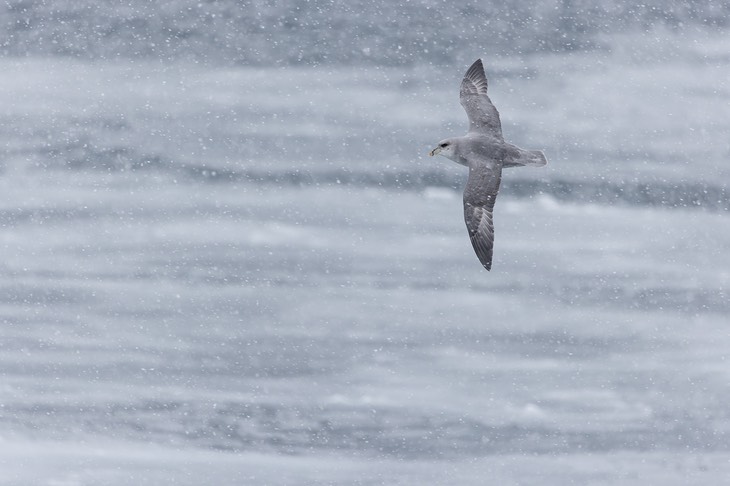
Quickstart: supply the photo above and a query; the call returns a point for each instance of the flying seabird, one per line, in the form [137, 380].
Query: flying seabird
[485, 152]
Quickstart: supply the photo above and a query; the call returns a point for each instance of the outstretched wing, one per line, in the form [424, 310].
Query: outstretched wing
[479, 197]
[483, 116]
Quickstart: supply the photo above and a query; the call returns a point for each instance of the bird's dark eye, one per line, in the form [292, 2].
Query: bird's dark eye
[443, 145]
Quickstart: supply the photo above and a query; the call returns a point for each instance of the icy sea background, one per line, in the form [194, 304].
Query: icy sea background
[227, 258]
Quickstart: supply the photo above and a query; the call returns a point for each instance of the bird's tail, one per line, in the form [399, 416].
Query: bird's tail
[518, 157]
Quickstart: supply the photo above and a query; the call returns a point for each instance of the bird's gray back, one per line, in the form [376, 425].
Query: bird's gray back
[479, 149]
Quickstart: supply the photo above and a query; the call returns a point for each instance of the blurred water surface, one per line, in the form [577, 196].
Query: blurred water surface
[257, 276]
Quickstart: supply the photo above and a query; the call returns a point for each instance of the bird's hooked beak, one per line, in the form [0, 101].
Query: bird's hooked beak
[435, 151]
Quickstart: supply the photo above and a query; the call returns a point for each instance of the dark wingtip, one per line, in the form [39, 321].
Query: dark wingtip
[476, 73]
[476, 67]
[483, 254]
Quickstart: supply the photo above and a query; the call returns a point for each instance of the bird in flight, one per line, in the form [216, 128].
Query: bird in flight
[484, 151]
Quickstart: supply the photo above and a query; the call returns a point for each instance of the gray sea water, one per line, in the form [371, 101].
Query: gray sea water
[233, 274]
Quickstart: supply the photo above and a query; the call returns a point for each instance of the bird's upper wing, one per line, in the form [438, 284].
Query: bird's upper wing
[480, 194]
[483, 116]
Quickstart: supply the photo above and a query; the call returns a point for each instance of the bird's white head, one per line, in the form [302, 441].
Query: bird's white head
[446, 148]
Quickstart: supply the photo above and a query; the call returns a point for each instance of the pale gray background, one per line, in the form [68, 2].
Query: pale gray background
[227, 258]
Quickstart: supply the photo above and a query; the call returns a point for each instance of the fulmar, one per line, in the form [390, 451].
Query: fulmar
[485, 152]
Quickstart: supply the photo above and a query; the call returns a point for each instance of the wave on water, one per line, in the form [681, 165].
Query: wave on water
[664, 194]
[369, 429]
[326, 33]
[642, 193]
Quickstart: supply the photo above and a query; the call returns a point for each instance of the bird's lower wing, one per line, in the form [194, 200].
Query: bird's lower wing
[480, 225]
[480, 194]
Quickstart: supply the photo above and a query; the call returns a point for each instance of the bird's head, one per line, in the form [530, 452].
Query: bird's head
[445, 148]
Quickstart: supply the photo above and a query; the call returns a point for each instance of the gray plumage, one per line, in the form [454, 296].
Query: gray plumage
[484, 151]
